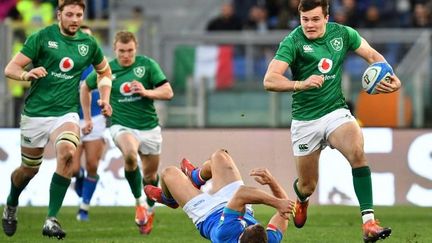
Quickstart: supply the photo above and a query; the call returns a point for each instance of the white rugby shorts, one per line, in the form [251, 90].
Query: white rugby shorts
[99, 125]
[204, 204]
[150, 140]
[35, 131]
[308, 136]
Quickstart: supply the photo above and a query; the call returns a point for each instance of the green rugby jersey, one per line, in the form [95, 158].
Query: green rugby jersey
[132, 110]
[322, 56]
[64, 58]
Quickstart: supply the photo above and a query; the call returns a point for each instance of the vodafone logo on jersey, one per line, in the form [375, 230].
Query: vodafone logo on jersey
[66, 64]
[125, 89]
[325, 65]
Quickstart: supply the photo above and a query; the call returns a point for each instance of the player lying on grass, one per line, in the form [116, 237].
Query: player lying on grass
[224, 213]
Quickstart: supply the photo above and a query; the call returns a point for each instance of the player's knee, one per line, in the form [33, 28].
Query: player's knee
[91, 169]
[30, 161]
[68, 137]
[66, 155]
[357, 157]
[130, 159]
[169, 171]
[220, 155]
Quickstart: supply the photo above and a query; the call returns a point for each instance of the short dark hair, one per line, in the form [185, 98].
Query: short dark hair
[124, 37]
[63, 3]
[254, 234]
[306, 5]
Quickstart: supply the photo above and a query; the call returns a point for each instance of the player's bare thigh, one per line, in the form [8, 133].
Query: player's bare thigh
[348, 139]
[179, 185]
[224, 170]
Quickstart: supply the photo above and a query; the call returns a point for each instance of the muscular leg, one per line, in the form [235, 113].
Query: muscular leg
[22, 175]
[307, 171]
[128, 145]
[66, 141]
[348, 139]
[175, 184]
[76, 160]
[223, 170]
[150, 164]
[93, 152]
[77, 170]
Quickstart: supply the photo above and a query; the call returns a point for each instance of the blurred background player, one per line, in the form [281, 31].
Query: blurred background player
[134, 125]
[92, 145]
[315, 52]
[59, 53]
[224, 214]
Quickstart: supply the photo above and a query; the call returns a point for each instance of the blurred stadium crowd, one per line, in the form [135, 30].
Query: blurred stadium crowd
[256, 14]
[264, 15]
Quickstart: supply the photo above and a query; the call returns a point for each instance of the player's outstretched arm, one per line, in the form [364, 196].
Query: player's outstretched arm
[264, 177]
[252, 195]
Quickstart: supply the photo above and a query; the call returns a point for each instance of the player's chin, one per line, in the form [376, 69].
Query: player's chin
[73, 29]
[311, 35]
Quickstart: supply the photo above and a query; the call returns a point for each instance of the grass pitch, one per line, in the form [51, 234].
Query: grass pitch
[325, 224]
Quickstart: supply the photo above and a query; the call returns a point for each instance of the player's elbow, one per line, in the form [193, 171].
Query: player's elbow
[170, 94]
[268, 85]
[8, 71]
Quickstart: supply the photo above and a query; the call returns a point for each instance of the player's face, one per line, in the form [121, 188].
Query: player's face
[70, 19]
[313, 23]
[125, 53]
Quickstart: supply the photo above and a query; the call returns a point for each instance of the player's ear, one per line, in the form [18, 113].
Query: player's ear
[58, 15]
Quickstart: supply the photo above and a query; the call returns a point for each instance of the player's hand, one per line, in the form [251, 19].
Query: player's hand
[262, 176]
[138, 88]
[36, 73]
[88, 127]
[285, 208]
[314, 81]
[105, 107]
[389, 86]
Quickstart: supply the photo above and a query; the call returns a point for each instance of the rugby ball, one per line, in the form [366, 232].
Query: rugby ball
[375, 73]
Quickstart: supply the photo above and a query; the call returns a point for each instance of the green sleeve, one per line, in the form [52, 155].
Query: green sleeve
[286, 51]
[354, 38]
[32, 46]
[91, 80]
[156, 73]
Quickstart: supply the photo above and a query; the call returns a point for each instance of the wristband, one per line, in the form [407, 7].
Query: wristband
[23, 74]
[295, 85]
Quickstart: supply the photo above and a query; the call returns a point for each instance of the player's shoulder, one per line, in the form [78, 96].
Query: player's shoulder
[144, 60]
[46, 31]
[336, 27]
[295, 33]
[84, 37]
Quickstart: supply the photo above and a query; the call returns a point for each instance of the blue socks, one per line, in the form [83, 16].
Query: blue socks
[196, 178]
[89, 187]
